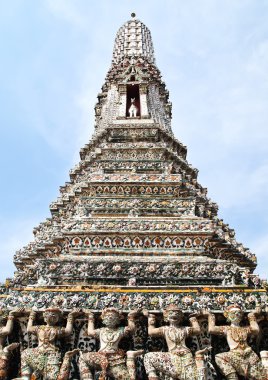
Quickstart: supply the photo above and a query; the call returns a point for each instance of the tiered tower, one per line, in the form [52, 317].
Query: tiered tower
[133, 228]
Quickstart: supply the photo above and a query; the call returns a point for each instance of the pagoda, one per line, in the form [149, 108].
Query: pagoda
[133, 228]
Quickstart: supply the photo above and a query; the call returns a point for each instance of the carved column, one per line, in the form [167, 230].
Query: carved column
[122, 89]
[143, 100]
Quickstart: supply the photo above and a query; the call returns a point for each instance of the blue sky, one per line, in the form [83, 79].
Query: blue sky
[213, 56]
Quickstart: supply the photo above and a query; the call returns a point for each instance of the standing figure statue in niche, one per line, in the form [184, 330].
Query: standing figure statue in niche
[241, 359]
[44, 361]
[4, 332]
[112, 360]
[133, 109]
[178, 362]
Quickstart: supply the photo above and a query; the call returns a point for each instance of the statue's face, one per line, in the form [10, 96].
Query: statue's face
[51, 318]
[111, 319]
[174, 316]
[235, 315]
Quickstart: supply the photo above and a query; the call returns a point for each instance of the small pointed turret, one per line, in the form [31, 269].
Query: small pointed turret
[133, 39]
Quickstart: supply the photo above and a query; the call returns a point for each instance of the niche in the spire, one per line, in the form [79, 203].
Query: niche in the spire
[133, 108]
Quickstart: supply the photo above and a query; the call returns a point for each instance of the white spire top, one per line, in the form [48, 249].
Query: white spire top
[133, 39]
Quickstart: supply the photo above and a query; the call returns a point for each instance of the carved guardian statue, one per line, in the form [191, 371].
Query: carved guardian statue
[178, 362]
[241, 359]
[44, 361]
[110, 358]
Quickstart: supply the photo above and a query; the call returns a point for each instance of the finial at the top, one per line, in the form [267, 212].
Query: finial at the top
[133, 39]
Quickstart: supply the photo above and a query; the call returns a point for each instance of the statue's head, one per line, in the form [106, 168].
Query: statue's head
[111, 317]
[173, 314]
[52, 316]
[234, 314]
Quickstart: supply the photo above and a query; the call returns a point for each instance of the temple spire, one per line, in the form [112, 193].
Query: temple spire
[133, 89]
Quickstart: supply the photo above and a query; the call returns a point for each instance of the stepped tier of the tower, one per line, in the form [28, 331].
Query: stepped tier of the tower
[133, 213]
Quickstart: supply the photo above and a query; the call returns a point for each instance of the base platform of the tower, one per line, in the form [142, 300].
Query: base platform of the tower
[170, 344]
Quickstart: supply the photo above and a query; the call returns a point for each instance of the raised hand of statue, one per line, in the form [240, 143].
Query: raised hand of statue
[88, 313]
[145, 312]
[7, 329]
[133, 313]
[33, 314]
[205, 312]
[256, 314]
[12, 346]
[17, 312]
[75, 313]
[197, 315]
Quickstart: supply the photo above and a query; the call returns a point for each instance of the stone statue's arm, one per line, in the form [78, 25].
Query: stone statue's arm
[6, 330]
[152, 330]
[30, 327]
[91, 331]
[254, 326]
[212, 328]
[131, 326]
[69, 325]
[8, 349]
[195, 327]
